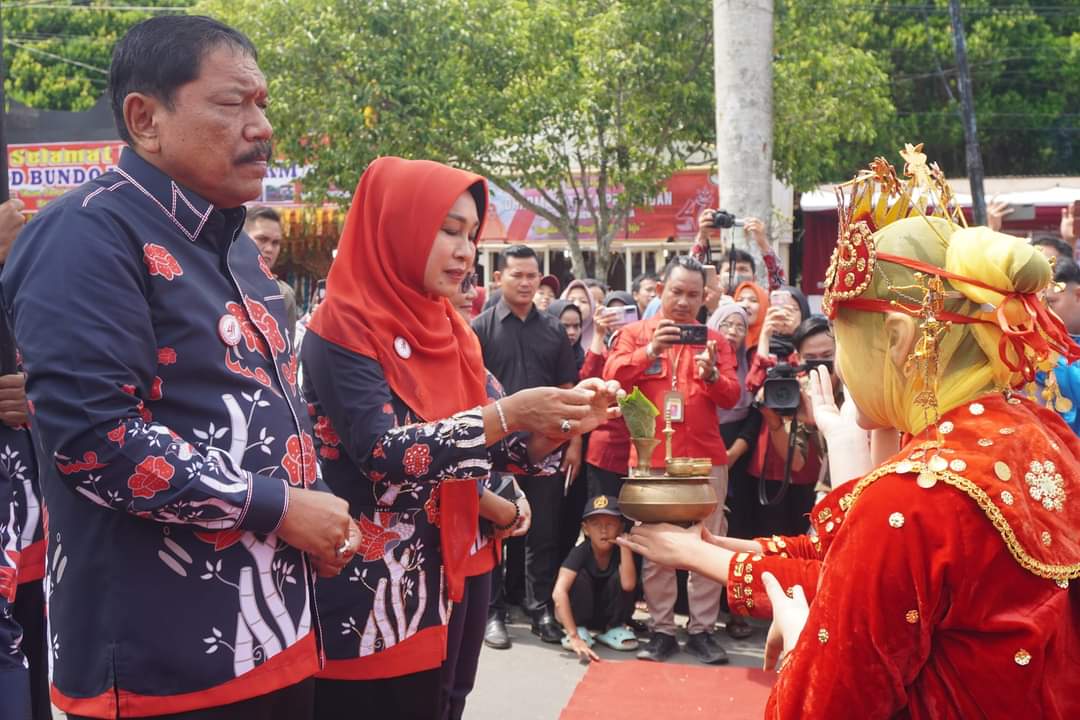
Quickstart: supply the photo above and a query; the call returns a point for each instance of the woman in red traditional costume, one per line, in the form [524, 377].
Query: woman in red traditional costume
[409, 428]
[939, 583]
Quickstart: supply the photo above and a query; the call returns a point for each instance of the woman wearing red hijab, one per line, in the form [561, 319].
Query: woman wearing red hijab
[406, 434]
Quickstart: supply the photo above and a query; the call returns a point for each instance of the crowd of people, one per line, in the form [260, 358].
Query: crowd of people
[230, 511]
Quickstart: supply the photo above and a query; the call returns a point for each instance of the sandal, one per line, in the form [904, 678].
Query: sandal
[583, 634]
[738, 628]
[618, 638]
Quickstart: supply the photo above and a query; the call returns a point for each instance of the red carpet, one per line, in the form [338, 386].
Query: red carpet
[650, 691]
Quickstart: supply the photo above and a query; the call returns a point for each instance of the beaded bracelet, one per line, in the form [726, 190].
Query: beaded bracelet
[512, 523]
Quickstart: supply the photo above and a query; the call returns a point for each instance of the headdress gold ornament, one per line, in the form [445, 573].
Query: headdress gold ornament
[874, 198]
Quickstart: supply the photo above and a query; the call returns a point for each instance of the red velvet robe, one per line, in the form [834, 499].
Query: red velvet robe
[947, 602]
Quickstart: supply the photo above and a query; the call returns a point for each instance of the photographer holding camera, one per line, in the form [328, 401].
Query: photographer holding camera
[789, 440]
[688, 371]
[743, 269]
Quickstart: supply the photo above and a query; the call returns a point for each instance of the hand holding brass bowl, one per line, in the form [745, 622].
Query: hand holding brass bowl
[688, 467]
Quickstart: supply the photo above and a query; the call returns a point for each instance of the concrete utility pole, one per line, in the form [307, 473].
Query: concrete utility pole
[967, 110]
[743, 54]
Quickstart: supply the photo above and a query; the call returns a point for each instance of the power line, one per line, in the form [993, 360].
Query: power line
[61, 58]
[107, 8]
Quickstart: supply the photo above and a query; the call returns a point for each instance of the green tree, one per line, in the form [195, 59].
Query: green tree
[595, 102]
[1025, 66]
[57, 54]
[829, 94]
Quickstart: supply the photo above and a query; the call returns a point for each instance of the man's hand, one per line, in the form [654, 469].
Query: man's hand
[789, 617]
[11, 222]
[13, 408]
[1068, 225]
[318, 523]
[665, 335]
[755, 228]
[706, 362]
[996, 212]
[704, 222]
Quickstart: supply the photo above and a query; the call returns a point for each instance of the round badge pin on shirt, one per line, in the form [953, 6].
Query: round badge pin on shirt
[229, 330]
[401, 345]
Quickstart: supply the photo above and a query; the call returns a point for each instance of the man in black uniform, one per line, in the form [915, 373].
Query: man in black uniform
[526, 348]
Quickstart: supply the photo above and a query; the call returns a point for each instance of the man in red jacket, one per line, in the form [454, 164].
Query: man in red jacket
[690, 381]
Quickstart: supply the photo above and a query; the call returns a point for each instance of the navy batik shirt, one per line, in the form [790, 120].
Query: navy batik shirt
[14, 678]
[386, 613]
[169, 430]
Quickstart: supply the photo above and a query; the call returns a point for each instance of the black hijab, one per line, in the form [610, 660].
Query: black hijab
[556, 309]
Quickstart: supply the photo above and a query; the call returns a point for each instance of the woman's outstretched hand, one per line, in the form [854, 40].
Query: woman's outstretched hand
[665, 544]
[562, 414]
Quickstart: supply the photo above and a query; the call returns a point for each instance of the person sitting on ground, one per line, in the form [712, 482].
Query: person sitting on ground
[596, 584]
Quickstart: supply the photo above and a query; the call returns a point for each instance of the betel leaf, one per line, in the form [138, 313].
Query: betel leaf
[640, 414]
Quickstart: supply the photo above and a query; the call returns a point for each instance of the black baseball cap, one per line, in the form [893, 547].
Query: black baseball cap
[602, 505]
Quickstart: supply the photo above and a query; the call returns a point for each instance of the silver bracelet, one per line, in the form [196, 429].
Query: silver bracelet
[502, 418]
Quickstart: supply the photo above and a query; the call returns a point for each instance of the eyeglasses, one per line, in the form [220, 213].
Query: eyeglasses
[733, 327]
[469, 282]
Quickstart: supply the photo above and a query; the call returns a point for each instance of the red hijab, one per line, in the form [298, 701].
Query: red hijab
[753, 333]
[376, 306]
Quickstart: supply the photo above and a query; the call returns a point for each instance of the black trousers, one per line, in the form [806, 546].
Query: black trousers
[573, 506]
[408, 697]
[600, 606]
[540, 559]
[465, 637]
[542, 543]
[29, 612]
[291, 703]
[789, 517]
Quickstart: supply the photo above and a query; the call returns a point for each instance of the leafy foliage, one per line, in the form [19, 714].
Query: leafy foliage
[57, 56]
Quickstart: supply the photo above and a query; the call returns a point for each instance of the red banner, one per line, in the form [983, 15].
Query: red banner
[672, 213]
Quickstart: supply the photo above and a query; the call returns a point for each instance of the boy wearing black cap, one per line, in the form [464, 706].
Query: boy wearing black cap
[596, 584]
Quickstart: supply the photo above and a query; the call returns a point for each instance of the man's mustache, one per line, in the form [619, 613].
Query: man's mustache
[260, 153]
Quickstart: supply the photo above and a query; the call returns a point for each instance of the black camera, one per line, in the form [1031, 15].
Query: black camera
[723, 219]
[692, 334]
[782, 388]
[782, 392]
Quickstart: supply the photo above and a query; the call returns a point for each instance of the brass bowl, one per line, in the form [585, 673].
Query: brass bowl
[688, 467]
[661, 498]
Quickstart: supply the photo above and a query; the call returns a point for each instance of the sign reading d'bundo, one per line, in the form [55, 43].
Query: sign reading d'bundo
[39, 173]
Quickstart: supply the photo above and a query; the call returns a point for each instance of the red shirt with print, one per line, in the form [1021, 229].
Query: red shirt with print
[699, 434]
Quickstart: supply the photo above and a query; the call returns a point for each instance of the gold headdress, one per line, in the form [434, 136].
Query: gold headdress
[876, 198]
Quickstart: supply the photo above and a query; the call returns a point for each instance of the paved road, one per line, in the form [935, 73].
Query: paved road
[534, 681]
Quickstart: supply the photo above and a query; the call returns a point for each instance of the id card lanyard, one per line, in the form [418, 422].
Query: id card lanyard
[675, 401]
